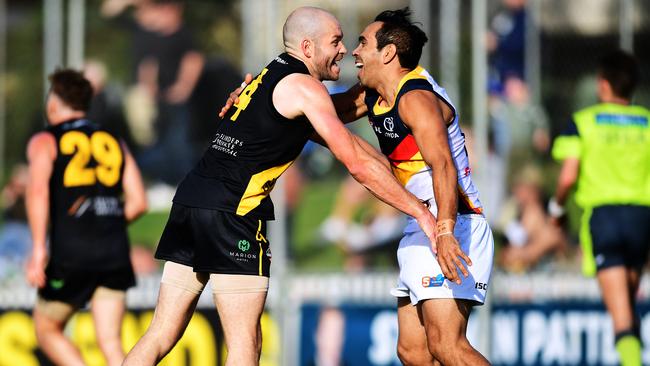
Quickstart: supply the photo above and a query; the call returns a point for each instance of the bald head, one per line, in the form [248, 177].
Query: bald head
[306, 22]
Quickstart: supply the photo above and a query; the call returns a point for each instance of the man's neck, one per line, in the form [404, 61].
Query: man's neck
[65, 117]
[388, 84]
[310, 68]
[613, 99]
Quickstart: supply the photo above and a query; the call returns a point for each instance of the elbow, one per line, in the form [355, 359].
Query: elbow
[356, 168]
[567, 181]
[37, 192]
[135, 209]
[568, 178]
[142, 208]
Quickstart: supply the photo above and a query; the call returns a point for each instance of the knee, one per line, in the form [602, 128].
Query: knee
[440, 346]
[446, 349]
[245, 342]
[410, 355]
[45, 326]
[108, 339]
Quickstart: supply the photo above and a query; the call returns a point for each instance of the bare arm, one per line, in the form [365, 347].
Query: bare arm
[41, 152]
[364, 145]
[350, 105]
[566, 180]
[234, 95]
[111, 8]
[421, 112]
[372, 151]
[135, 198]
[310, 98]
[188, 75]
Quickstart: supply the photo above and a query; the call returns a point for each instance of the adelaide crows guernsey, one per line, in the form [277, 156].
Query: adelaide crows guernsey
[398, 144]
[88, 228]
[254, 144]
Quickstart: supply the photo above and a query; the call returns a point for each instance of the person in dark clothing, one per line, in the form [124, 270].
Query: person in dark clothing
[83, 182]
[167, 65]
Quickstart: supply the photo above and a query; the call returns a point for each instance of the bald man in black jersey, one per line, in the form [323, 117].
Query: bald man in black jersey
[217, 225]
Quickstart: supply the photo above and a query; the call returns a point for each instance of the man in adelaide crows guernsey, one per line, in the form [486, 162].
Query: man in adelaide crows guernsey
[417, 127]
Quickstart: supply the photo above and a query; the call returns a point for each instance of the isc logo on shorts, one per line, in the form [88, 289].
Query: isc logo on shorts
[436, 281]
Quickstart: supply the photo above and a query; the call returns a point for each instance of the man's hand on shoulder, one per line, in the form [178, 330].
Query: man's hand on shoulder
[233, 98]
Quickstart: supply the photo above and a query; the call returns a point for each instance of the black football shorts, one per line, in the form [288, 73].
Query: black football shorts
[77, 286]
[215, 241]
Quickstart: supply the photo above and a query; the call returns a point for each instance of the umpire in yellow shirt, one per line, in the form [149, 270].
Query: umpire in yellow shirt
[605, 149]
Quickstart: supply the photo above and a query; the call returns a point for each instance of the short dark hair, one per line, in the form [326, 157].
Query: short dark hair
[404, 34]
[72, 87]
[621, 70]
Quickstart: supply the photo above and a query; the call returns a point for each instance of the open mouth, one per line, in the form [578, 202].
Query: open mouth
[358, 64]
[337, 60]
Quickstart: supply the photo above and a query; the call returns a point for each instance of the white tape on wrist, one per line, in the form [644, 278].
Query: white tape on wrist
[555, 210]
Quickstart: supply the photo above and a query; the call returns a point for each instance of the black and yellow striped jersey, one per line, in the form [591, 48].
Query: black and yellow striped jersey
[253, 145]
[88, 228]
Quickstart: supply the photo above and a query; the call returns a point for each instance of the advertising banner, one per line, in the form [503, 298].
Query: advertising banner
[550, 333]
[201, 344]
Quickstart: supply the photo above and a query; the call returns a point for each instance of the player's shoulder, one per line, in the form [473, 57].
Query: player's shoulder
[298, 85]
[415, 97]
[416, 84]
[42, 138]
[41, 143]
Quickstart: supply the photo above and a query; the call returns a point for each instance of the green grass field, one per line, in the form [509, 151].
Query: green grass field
[146, 230]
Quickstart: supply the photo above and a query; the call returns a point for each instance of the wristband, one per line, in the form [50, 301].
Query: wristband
[443, 234]
[243, 85]
[555, 210]
[444, 227]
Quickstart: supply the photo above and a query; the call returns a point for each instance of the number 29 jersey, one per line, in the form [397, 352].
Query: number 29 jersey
[253, 145]
[88, 228]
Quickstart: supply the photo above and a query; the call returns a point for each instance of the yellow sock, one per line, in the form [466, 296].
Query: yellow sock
[629, 350]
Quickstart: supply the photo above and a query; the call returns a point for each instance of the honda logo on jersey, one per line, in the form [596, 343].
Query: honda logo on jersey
[389, 125]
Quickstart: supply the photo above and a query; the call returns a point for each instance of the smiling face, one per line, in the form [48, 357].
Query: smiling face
[367, 58]
[329, 50]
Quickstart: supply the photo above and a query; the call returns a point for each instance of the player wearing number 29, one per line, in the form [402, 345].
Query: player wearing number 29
[85, 182]
[216, 228]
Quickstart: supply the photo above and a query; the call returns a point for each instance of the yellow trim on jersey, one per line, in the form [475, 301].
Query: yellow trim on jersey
[467, 200]
[406, 169]
[414, 74]
[260, 238]
[258, 188]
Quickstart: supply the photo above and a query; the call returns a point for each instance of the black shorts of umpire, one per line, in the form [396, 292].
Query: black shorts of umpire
[620, 235]
[215, 242]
